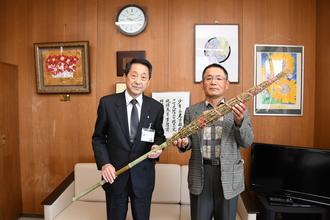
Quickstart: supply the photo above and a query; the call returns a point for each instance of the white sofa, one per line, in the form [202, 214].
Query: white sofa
[170, 200]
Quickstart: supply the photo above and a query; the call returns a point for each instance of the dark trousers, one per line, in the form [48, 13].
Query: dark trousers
[211, 202]
[117, 206]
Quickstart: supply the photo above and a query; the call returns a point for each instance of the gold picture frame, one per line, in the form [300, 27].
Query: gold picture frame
[62, 67]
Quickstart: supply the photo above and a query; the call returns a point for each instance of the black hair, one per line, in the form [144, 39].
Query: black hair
[141, 61]
[215, 65]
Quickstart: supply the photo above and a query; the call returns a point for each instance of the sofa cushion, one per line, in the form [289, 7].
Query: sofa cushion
[185, 200]
[87, 175]
[83, 210]
[166, 196]
[167, 184]
[185, 212]
[171, 184]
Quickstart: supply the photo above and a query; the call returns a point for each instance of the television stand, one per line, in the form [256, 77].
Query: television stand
[288, 211]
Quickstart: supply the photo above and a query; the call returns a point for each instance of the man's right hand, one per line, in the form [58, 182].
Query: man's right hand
[181, 142]
[108, 173]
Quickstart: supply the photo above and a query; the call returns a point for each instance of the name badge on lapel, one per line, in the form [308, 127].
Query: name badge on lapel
[148, 134]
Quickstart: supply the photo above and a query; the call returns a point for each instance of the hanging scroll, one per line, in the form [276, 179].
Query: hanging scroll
[175, 104]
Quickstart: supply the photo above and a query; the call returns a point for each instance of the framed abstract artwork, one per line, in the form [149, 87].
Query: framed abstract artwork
[284, 97]
[217, 43]
[62, 67]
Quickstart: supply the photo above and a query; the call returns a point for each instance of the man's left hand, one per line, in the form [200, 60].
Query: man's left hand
[155, 154]
[239, 111]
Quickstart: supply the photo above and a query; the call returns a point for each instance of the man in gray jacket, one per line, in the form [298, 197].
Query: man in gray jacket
[216, 175]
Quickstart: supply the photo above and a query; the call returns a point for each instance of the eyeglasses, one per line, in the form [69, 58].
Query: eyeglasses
[217, 79]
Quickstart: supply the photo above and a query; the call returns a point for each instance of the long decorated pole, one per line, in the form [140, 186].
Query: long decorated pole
[205, 119]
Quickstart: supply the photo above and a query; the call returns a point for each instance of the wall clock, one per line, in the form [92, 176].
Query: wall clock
[131, 20]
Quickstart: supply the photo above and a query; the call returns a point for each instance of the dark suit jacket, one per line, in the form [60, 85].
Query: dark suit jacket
[111, 142]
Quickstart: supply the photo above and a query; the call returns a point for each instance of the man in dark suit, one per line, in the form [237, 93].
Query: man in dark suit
[115, 145]
[216, 175]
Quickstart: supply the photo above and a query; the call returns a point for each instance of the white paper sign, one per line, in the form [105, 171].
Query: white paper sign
[175, 104]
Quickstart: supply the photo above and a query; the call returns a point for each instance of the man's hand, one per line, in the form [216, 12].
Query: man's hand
[108, 173]
[239, 111]
[155, 154]
[181, 143]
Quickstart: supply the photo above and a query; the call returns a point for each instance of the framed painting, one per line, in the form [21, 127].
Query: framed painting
[284, 97]
[62, 67]
[217, 43]
[124, 57]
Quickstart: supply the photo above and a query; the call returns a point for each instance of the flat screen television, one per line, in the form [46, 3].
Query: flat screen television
[291, 172]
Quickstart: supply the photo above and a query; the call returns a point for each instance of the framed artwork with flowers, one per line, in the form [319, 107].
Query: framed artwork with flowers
[62, 67]
[284, 97]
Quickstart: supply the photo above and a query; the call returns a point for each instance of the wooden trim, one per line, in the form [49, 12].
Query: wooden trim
[32, 215]
[248, 202]
[51, 198]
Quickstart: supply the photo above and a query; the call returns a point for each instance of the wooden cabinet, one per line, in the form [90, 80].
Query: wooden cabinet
[10, 175]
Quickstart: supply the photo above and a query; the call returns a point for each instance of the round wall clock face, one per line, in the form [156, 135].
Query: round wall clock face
[131, 20]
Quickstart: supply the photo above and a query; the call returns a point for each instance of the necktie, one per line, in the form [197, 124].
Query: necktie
[134, 121]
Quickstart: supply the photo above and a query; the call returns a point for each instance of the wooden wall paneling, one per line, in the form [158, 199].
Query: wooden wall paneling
[262, 23]
[62, 139]
[61, 130]
[258, 17]
[15, 46]
[153, 40]
[169, 43]
[47, 26]
[10, 183]
[157, 46]
[183, 16]
[322, 77]
[181, 56]
[6, 22]
[107, 41]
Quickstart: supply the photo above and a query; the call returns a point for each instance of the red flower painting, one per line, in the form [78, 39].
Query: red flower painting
[61, 65]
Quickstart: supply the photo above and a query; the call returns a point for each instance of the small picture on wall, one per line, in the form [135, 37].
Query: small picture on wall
[120, 87]
[124, 57]
[217, 43]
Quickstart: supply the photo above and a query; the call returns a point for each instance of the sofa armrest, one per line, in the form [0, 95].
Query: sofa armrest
[246, 206]
[59, 199]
